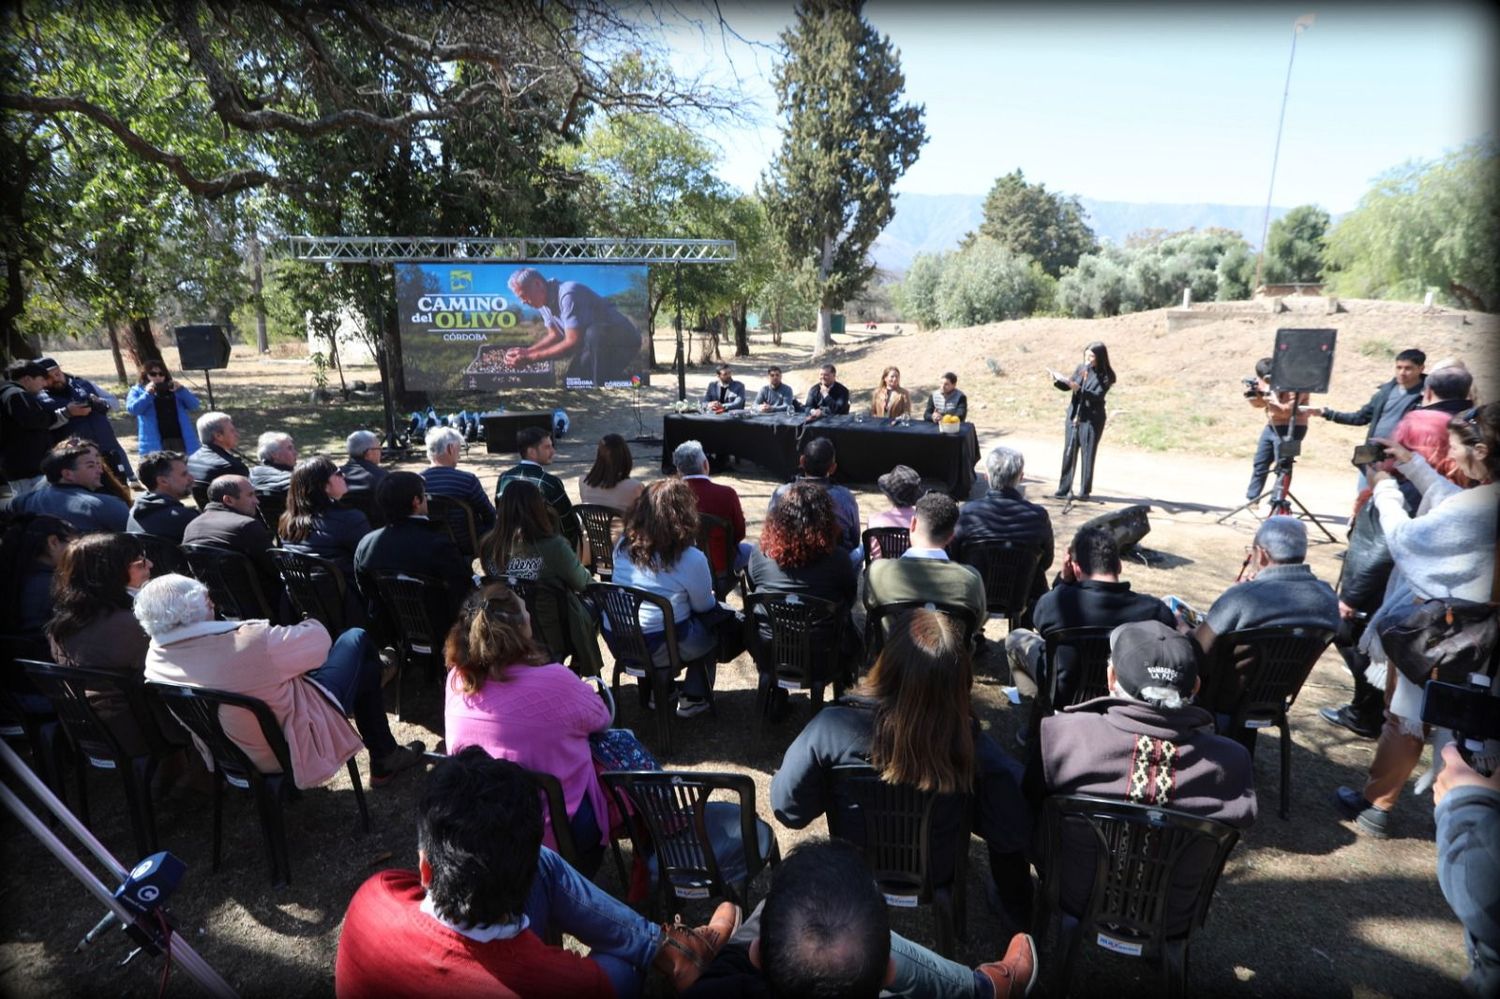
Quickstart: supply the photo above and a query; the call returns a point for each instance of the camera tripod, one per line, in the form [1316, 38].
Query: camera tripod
[1280, 491]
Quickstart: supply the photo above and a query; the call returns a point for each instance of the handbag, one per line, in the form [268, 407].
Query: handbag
[1446, 639]
[619, 749]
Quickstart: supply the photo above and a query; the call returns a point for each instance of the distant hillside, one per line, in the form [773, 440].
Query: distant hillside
[932, 223]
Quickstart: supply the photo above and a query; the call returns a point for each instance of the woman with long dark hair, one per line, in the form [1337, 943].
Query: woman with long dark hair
[506, 695]
[1089, 383]
[526, 542]
[911, 719]
[31, 546]
[314, 522]
[608, 482]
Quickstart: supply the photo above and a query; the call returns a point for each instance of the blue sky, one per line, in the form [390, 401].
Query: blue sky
[1167, 103]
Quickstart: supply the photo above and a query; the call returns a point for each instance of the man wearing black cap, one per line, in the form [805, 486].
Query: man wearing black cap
[93, 424]
[1144, 743]
[28, 425]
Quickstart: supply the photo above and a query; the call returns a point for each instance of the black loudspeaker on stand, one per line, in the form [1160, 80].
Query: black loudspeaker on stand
[200, 347]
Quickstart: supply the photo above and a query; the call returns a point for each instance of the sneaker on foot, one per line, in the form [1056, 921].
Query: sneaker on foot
[691, 707]
[1354, 807]
[399, 759]
[685, 950]
[1014, 974]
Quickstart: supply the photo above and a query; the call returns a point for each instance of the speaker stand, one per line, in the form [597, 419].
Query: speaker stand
[1281, 505]
[208, 386]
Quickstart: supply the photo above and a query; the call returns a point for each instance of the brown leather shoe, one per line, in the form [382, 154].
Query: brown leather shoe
[685, 951]
[1014, 974]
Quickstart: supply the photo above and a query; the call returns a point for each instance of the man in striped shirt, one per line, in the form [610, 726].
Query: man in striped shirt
[444, 478]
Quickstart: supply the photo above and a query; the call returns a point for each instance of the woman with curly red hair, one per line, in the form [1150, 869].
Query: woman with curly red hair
[799, 553]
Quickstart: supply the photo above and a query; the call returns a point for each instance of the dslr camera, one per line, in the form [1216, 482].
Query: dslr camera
[1252, 388]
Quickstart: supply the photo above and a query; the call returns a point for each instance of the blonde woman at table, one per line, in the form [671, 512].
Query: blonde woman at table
[889, 399]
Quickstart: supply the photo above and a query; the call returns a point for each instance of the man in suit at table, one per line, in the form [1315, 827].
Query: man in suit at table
[828, 397]
[725, 394]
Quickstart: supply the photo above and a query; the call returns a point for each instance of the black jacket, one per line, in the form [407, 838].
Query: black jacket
[221, 527]
[1367, 563]
[1091, 603]
[270, 478]
[1003, 515]
[28, 429]
[336, 534]
[160, 515]
[416, 545]
[363, 476]
[1389, 403]
[834, 400]
[211, 461]
[1087, 403]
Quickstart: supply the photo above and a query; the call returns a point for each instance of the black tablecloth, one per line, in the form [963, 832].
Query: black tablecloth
[500, 431]
[865, 450]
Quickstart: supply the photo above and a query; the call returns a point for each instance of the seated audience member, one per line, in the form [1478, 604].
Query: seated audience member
[110, 484]
[535, 445]
[1148, 724]
[217, 456]
[902, 486]
[1468, 867]
[824, 930]
[307, 680]
[314, 521]
[92, 626]
[73, 474]
[28, 425]
[775, 397]
[277, 453]
[1282, 593]
[608, 482]
[231, 520]
[508, 697]
[924, 571]
[409, 542]
[725, 393]
[32, 547]
[828, 396]
[1446, 551]
[1004, 514]
[1425, 429]
[656, 553]
[889, 400]
[911, 719]
[717, 500]
[362, 471]
[469, 921]
[528, 544]
[819, 462]
[1088, 594]
[160, 511]
[947, 401]
[445, 478]
[799, 554]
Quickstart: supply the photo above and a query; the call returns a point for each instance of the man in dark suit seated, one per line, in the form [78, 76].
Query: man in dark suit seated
[410, 543]
[277, 453]
[160, 511]
[362, 472]
[828, 396]
[1004, 514]
[217, 456]
[231, 520]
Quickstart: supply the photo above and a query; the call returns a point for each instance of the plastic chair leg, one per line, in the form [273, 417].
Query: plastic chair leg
[1065, 954]
[661, 687]
[137, 779]
[359, 795]
[1286, 766]
[268, 805]
[1174, 954]
[400, 676]
[81, 773]
[942, 915]
[218, 817]
[762, 702]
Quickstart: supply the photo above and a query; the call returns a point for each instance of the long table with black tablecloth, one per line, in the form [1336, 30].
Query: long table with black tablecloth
[865, 449]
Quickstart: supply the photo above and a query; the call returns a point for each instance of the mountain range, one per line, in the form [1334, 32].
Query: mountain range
[932, 223]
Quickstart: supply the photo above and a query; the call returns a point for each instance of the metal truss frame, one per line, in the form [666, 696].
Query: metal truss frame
[443, 249]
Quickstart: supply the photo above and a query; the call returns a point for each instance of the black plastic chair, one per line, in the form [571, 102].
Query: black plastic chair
[807, 636]
[697, 848]
[458, 517]
[618, 608]
[24, 720]
[271, 505]
[893, 825]
[874, 616]
[411, 600]
[884, 542]
[232, 582]
[1088, 655]
[363, 500]
[1282, 659]
[1148, 864]
[598, 526]
[315, 586]
[199, 709]
[710, 528]
[1008, 569]
[165, 555]
[68, 688]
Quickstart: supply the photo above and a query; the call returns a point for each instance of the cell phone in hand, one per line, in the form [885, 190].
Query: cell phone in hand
[1368, 454]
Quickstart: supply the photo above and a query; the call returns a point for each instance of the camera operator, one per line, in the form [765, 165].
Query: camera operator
[1389, 404]
[1468, 862]
[1278, 407]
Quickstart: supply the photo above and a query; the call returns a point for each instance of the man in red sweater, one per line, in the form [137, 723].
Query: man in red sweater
[470, 920]
[718, 500]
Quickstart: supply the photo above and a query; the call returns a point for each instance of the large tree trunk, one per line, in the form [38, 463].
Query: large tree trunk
[776, 326]
[823, 338]
[653, 303]
[257, 288]
[114, 350]
[143, 348]
[741, 333]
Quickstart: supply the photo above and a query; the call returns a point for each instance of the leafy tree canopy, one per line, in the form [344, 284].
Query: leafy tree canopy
[1045, 226]
[1294, 246]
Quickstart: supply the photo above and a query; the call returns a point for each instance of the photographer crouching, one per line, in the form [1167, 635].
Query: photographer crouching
[1279, 408]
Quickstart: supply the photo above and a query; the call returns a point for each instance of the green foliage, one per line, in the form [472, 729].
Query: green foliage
[1425, 225]
[1045, 226]
[1152, 270]
[1294, 246]
[846, 140]
[917, 295]
[982, 283]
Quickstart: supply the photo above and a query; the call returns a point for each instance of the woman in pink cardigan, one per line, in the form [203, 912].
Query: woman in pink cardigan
[505, 697]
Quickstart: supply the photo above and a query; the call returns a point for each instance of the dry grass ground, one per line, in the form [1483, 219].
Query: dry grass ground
[1305, 906]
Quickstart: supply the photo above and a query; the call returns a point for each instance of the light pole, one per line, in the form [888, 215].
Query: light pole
[1298, 26]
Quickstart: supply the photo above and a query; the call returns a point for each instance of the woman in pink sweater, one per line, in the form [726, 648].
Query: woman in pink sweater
[505, 697]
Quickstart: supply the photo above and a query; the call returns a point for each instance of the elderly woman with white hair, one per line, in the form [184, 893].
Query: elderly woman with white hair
[308, 681]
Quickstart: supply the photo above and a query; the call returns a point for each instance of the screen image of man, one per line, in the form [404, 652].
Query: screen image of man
[578, 324]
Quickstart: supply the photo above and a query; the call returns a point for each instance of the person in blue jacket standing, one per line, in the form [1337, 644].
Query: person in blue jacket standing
[62, 389]
[162, 410]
